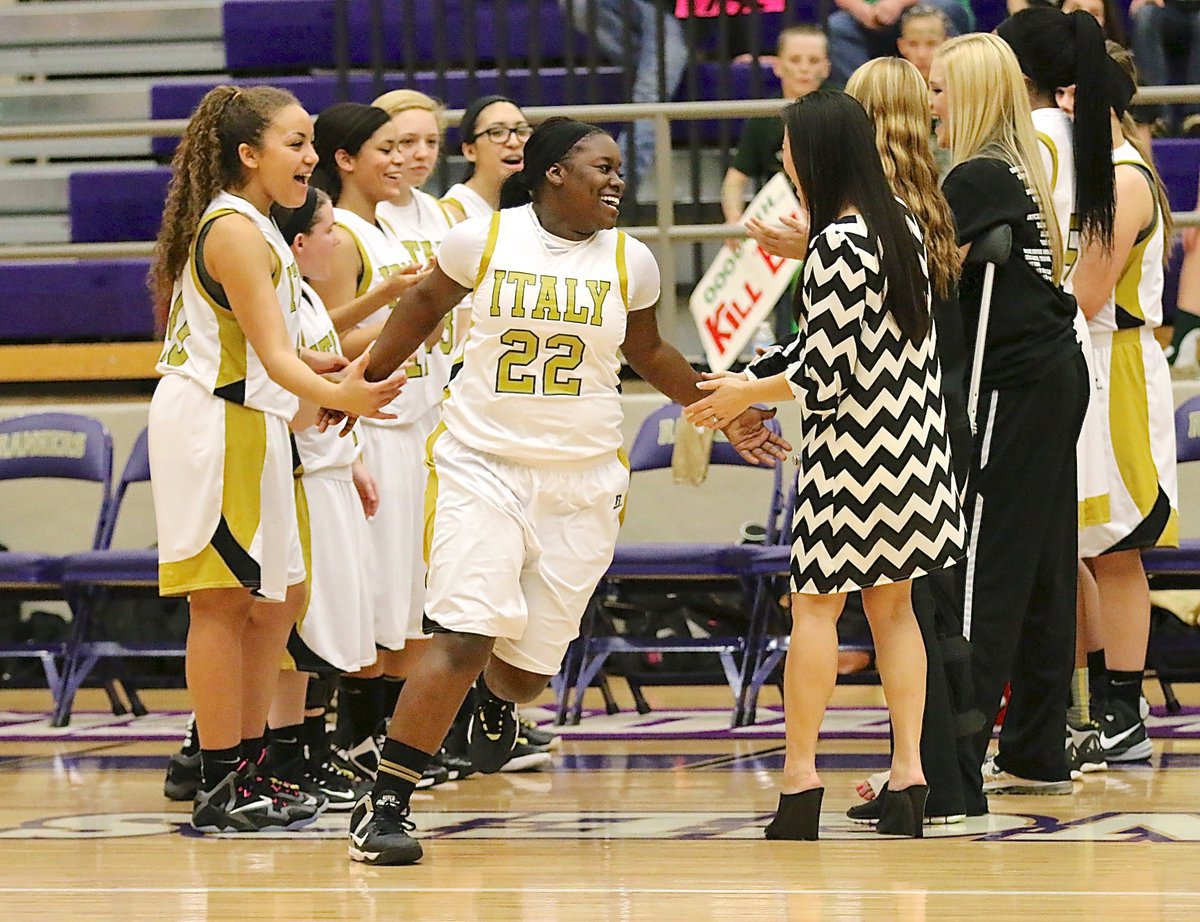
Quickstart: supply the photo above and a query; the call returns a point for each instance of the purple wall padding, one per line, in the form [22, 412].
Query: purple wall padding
[75, 300]
[116, 205]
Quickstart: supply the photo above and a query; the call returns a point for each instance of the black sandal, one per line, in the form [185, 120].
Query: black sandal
[902, 813]
[798, 816]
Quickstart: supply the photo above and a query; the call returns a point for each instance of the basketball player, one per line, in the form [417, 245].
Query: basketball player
[226, 289]
[527, 485]
[493, 132]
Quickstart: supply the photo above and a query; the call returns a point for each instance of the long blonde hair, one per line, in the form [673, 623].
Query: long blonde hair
[893, 92]
[988, 115]
[1124, 58]
[205, 162]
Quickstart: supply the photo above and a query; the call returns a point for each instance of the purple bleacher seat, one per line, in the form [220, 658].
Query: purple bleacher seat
[25, 569]
[1182, 561]
[716, 82]
[75, 300]
[282, 35]
[138, 566]
[456, 89]
[1178, 163]
[107, 206]
[692, 560]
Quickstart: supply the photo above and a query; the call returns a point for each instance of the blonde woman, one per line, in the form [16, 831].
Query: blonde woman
[1019, 592]
[1120, 292]
[893, 92]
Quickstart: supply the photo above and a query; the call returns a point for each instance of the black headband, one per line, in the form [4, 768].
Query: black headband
[296, 221]
[548, 144]
[473, 111]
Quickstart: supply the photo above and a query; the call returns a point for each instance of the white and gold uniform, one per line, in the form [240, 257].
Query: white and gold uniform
[1056, 143]
[1136, 401]
[337, 622]
[392, 450]
[527, 482]
[471, 202]
[220, 455]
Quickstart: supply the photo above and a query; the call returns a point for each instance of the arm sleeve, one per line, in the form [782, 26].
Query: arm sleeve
[827, 344]
[462, 249]
[644, 283]
[980, 193]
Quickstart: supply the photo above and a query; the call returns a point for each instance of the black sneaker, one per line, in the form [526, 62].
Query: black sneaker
[1123, 734]
[526, 757]
[379, 832]
[458, 767]
[240, 804]
[341, 789]
[1085, 755]
[296, 778]
[285, 788]
[536, 736]
[492, 732]
[362, 759]
[435, 773]
[183, 777]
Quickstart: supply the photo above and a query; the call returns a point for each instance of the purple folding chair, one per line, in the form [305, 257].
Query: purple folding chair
[59, 446]
[93, 578]
[1176, 567]
[666, 562]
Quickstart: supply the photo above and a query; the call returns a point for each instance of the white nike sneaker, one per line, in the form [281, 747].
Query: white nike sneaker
[998, 781]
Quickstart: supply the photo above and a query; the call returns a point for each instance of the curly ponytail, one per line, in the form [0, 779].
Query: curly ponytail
[207, 161]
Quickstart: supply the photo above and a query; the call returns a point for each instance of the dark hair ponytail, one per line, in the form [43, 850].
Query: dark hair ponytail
[831, 142]
[1057, 49]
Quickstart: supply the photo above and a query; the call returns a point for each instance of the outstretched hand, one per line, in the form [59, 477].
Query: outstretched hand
[727, 399]
[788, 239]
[754, 441]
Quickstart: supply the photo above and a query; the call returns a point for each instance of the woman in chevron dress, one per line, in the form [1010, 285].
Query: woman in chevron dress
[876, 501]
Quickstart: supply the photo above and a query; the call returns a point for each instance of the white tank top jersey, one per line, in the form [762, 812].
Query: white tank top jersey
[382, 256]
[321, 450]
[1056, 142]
[1137, 299]
[471, 202]
[537, 382]
[419, 228]
[205, 342]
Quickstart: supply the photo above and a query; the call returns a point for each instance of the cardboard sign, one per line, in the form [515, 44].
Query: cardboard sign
[740, 289]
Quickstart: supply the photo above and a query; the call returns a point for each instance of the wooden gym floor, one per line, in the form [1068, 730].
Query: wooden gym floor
[622, 829]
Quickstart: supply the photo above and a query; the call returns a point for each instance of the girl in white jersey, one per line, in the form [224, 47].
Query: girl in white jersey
[527, 485]
[1120, 291]
[1057, 50]
[226, 288]
[493, 132]
[335, 495]
[363, 168]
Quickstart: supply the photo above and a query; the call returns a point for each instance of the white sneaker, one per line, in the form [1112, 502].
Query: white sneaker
[998, 781]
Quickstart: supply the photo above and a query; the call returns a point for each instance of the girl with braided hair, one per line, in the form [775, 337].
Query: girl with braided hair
[226, 288]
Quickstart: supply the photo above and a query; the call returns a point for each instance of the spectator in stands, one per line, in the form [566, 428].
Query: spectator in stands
[1165, 30]
[923, 28]
[1110, 16]
[802, 66]
[225, 285]
[863, 29]
[493, 131]
[632, 31]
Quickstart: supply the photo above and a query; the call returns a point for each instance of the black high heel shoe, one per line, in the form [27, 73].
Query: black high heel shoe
[902, 813]
[798, 816]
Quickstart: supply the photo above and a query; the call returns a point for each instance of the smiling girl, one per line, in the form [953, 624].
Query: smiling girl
[226, 288]
[494, 131]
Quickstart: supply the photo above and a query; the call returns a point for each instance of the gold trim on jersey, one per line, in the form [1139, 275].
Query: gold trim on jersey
[1126, 295]
[488, 249]
[305, 524]
[241, 507]
[624, 459]
[364, 280]
[622, 270]
[1129, 415]
[1053, 150]
[1095, 510]
[431, 490]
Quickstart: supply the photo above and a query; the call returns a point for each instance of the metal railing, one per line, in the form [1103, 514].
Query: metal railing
[663, 231]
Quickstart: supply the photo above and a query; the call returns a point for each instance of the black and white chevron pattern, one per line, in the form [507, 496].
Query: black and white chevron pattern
[876, 499]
